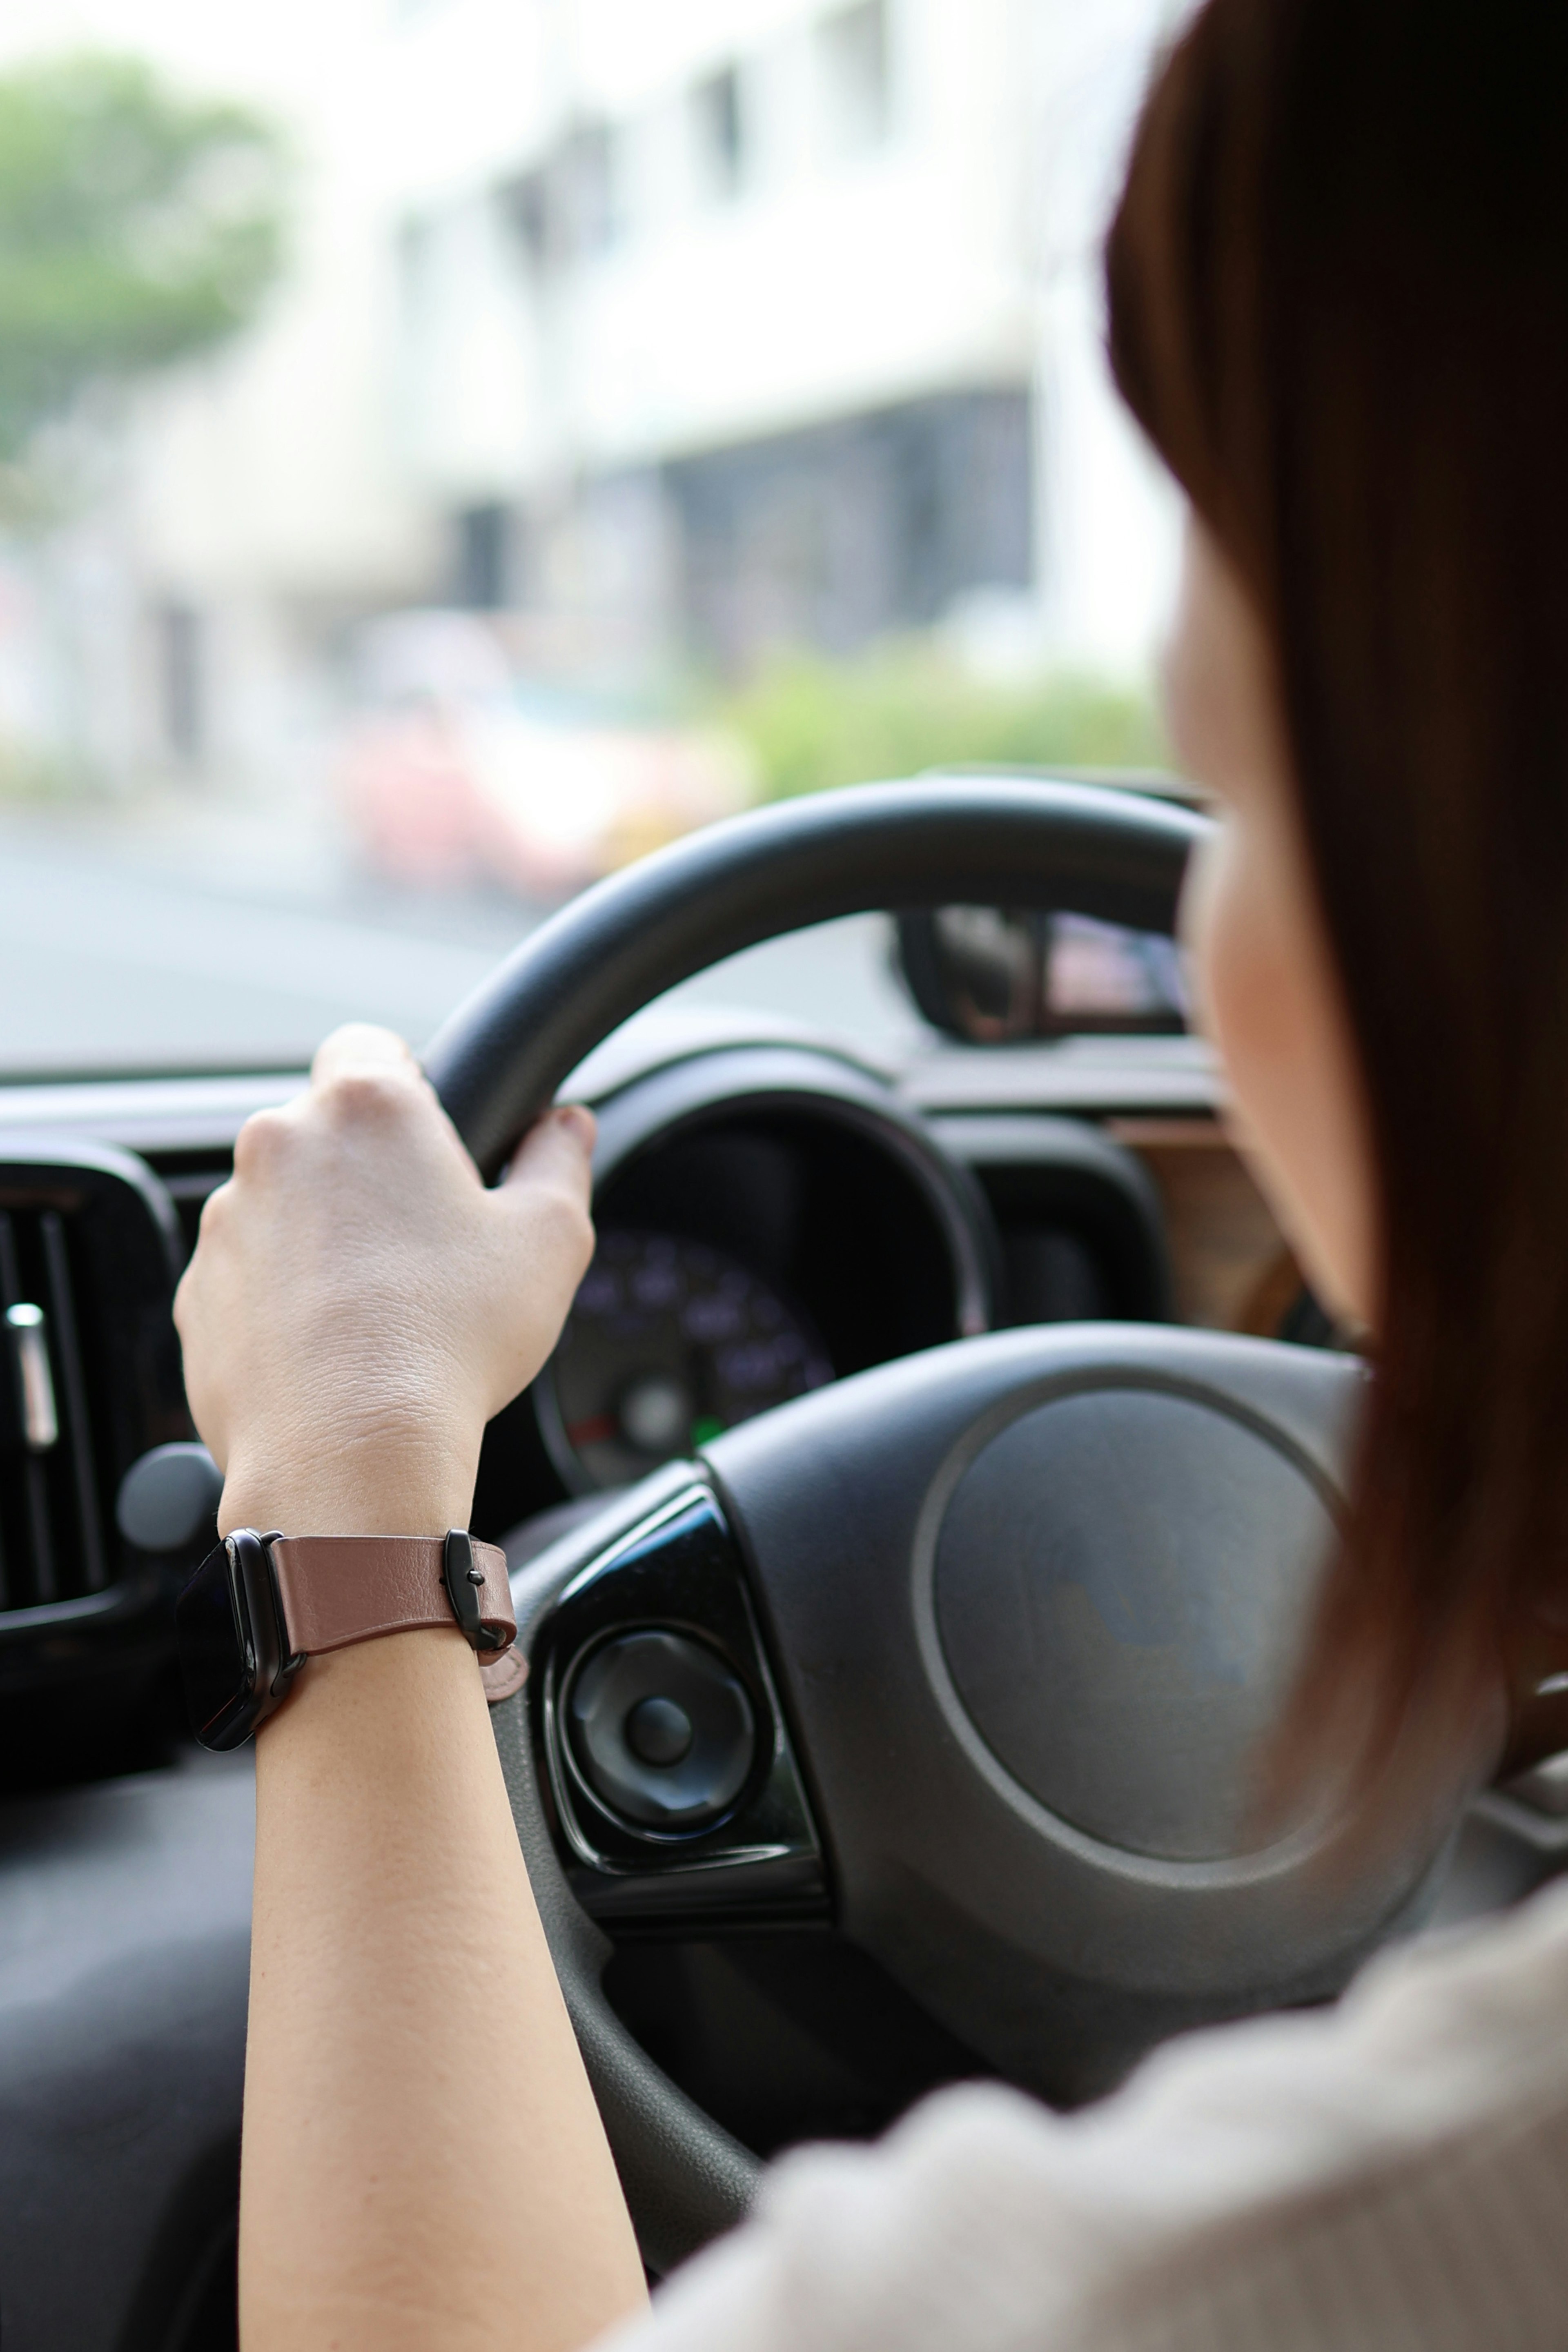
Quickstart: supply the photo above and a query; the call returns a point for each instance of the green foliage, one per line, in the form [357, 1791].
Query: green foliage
[31, 776]
[136, 228]
[810, 722]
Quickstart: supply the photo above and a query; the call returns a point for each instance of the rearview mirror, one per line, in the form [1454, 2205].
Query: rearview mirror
[999, 975]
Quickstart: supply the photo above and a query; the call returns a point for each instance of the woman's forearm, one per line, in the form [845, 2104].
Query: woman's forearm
[424, 2165]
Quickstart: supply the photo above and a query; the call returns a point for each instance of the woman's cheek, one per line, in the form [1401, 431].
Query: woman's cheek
[1244, 986]
[1266, 999]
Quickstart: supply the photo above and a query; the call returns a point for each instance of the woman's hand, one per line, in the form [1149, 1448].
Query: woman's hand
[359, 1304]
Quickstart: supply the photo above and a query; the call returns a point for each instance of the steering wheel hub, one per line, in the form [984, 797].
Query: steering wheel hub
[1120, 1582]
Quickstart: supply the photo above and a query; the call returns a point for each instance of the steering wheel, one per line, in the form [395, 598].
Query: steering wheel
[974, 1647]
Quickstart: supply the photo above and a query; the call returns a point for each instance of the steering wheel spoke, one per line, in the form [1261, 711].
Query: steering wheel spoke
[658, 1728]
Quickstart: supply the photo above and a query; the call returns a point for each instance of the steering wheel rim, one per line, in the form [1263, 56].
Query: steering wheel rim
[498, 1061]
[685, 2178]
[941, 840]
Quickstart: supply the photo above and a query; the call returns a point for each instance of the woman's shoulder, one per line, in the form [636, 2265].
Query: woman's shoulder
[1438, 2034]
[1465, 2012]
[1329, 2151]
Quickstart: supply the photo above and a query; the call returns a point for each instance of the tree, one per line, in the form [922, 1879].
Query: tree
[137, 227]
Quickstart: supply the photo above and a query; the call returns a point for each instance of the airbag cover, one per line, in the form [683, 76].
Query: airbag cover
[1121, 1578]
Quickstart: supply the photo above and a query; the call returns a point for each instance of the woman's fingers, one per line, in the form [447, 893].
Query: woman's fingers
[558, 1151]
[546, 1197]
[367, 1084]
[359, 1046]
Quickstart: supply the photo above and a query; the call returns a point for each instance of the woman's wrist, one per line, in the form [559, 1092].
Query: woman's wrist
[417, 1482]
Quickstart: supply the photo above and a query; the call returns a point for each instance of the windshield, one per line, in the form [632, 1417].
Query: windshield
[447, 450]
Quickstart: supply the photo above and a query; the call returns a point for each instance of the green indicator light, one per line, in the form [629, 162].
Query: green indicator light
[706, 1428]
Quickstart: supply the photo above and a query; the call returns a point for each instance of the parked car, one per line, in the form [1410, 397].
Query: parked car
[458, 765]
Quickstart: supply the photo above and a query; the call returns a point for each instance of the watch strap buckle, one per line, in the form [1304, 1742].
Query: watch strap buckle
[465, 1582]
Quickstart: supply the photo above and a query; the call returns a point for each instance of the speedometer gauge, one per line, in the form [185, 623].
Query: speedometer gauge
[669, 1342]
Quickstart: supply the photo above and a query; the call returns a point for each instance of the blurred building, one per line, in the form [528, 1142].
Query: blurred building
[722, 326]
[674, 328]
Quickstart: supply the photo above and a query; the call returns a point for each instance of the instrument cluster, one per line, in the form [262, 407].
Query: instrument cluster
[769, 1220]
[669, 1343]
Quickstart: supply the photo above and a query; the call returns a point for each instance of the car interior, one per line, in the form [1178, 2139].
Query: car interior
[910, 1537]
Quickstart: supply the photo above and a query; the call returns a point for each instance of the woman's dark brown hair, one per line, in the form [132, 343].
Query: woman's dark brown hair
[1337, 292]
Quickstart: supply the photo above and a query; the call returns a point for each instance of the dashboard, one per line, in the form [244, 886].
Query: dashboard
[773, 1214]
[769, 1219]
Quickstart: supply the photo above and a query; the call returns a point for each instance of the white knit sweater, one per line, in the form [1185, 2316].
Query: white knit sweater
[1387, 2176]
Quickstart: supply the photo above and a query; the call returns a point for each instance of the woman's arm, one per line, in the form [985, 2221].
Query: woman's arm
[423, 2164]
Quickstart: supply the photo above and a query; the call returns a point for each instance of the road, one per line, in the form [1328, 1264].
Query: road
[202, 936]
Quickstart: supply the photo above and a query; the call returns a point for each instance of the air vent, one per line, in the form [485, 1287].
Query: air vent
[89, 1244]
[51, 1524]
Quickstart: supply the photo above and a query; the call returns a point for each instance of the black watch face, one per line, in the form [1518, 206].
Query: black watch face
[230, 1652]
[214, 1657]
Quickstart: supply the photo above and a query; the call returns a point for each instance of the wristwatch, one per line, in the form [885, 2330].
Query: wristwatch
[259, 1606]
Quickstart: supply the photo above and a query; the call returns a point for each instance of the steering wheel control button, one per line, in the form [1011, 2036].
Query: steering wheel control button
[1121, 1581]
[661, 1730]
[676, 1792]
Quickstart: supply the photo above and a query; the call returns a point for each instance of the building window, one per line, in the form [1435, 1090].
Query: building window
[182, 670]
[852, 50]
[484, 551]
[838, 534]
[567, 208]
[524, 204]
[719, 124]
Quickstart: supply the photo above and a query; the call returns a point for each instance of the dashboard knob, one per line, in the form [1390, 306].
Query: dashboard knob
[169, 1497]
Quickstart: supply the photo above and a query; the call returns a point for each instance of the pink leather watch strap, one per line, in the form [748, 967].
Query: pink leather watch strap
[335, 1590]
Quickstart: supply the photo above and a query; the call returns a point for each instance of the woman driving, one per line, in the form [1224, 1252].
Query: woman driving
[1338, 286]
